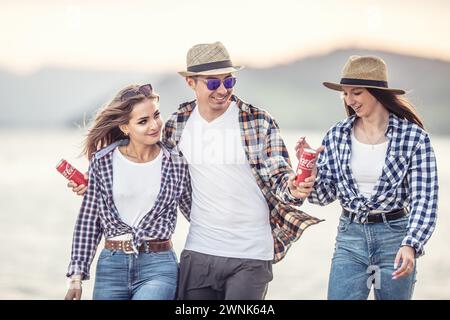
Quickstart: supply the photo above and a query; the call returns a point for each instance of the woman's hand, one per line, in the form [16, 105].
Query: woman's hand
[78, 189]
[302, 144]
[73, 294]
[406, 255]
[74, 285]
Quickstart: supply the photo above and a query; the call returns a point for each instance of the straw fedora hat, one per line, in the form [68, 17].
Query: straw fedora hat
[364, 71]
[208, 59]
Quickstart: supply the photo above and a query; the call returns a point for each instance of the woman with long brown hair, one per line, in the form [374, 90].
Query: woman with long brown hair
[379, 164]
[135, 186]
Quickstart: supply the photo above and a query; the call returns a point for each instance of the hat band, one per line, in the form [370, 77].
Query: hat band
[362, 82]
[210, 66]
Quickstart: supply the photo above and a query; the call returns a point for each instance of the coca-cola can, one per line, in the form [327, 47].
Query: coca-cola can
[305, 165]
[70, 172]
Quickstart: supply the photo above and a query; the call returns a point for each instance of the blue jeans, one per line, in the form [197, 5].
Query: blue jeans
[364, 257]
[149, 276]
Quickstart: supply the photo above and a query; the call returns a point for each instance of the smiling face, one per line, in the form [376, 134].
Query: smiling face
[144, 126]
[215, 100]
[360, 100]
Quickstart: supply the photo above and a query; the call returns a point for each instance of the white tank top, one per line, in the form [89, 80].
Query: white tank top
[135, 186]
[367, 163]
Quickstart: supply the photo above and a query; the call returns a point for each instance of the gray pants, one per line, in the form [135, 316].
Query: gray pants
[208, 277]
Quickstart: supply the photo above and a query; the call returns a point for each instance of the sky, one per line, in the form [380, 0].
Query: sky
[154, 35]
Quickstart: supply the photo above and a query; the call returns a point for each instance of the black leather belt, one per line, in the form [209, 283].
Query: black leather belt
[378, 217]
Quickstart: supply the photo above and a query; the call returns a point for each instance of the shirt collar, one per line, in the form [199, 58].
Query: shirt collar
[103, 152]
[394, 123]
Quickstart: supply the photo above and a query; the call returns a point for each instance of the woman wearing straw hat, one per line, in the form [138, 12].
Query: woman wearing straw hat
[380, 165]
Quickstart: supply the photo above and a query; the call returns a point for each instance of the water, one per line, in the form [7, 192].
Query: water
[38, 211]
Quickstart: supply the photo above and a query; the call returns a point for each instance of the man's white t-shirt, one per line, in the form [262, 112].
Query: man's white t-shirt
[229, 214]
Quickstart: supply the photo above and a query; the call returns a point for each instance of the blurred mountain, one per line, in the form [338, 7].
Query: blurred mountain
[55, 97]
[292, 93]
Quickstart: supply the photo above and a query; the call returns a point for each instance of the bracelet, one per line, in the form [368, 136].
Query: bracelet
[74, 283]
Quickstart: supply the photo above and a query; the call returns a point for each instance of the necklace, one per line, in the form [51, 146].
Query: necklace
[135, 157]
[126, 151]
[367, 137]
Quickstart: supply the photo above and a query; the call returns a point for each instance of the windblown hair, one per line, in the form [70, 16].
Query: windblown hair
[105, 126]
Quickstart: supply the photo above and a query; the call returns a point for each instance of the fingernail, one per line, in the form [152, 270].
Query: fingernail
[395, 265]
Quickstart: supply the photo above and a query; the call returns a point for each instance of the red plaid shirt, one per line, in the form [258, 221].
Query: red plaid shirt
[270, 165]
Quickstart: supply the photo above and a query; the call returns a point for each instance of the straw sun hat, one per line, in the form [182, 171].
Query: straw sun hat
[364, 71]
[208, 59]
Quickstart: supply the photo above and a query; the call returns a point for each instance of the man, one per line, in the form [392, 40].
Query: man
[242, 214]
[241, 217]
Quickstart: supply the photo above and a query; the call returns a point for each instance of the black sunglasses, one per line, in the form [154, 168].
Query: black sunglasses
[145, 89]
[214, 84]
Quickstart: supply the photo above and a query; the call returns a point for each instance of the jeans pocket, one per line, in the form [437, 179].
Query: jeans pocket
[105, 254]
[166, 256]
[343, 224]
[398, 225]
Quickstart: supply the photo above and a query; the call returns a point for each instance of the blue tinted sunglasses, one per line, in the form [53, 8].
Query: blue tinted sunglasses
[214, 84]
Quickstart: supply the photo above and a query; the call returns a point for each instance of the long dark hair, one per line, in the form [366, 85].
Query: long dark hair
[105, 128]
[400, 106]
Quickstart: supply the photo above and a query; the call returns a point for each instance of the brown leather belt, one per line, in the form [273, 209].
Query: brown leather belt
[378, 217]
[148, 246]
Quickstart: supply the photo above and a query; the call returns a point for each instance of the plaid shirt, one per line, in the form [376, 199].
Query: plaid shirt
[408, 180]
[98, 214]
[269, 163]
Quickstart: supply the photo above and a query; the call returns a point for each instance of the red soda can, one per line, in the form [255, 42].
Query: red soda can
[305, 165]
[69, 171]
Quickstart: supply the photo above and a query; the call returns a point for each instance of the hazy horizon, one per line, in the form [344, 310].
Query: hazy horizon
[5, 69]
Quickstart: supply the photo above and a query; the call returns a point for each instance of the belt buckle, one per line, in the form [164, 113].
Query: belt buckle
[128, 249]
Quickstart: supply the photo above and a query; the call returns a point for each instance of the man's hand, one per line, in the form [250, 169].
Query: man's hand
[303, 189]
[78, 189]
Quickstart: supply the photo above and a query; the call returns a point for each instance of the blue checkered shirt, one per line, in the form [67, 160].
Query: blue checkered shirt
[408, 180]
[99, 216]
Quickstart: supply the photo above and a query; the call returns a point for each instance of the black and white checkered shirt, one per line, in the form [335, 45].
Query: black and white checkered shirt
[99, 216]
[408, 180]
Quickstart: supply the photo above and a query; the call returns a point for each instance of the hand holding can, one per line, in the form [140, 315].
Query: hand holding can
[71, 173]
[306, 164]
